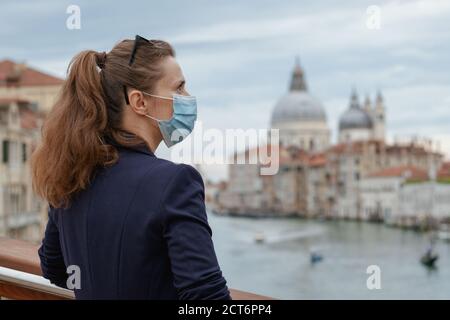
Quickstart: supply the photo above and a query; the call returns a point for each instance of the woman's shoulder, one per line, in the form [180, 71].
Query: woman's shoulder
[156, 171]
[174, 184]
[178, 172]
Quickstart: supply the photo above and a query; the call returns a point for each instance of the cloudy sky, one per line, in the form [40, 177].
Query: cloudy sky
[237, 56]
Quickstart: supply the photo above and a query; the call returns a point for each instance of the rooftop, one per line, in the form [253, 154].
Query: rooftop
[21, 75]
[409, 172]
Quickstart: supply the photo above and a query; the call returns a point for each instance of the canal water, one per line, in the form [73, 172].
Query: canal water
[280, 266]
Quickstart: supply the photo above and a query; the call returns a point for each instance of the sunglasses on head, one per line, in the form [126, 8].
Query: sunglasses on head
[138, 41]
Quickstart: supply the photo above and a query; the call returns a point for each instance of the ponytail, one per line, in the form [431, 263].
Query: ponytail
[71, 146]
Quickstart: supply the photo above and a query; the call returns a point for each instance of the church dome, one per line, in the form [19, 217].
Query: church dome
[298, 104]
[355, 117]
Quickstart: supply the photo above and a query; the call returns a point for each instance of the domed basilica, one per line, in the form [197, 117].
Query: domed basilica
[362, 123]
[302, 120]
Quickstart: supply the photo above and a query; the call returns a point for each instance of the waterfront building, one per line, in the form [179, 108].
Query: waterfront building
[348, 163]
[20, 209]
[315, 178]
[380, 191]
[21, 80]
[407, 195]
[26, 95]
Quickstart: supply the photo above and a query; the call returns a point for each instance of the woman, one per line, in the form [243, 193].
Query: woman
[133, 225]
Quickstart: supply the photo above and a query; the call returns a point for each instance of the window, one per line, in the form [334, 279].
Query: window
[13, 155]
[15, 117]
[24, 152]
[15, 199]
[34, 106]
[5, 150]
[14, 203]
[4, 116]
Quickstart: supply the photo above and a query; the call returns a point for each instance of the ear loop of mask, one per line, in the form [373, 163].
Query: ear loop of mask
[154, 95]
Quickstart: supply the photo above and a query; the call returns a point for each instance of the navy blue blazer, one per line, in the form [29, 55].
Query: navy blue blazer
[140, 231]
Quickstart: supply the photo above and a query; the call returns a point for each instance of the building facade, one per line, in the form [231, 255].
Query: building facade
[346, 180]
[20, 209]
[406, 196]
[26, 95]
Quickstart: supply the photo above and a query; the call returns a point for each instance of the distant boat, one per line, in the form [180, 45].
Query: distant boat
[429, 261]
[429, 258]
[315, 257]
[259, 237]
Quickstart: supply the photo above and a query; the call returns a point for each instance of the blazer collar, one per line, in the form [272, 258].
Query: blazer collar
[143, 148]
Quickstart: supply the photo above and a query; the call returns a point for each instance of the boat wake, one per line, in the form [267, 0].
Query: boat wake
[287, 235]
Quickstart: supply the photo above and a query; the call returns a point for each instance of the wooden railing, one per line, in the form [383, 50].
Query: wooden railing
[20, 275]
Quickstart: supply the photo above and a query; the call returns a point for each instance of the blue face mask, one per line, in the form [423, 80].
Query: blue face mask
[182, 122]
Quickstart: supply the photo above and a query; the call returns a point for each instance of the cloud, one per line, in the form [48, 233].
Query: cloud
[332, 27]
[238, 57]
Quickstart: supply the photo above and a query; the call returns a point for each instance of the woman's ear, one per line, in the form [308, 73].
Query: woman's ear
[137, 102]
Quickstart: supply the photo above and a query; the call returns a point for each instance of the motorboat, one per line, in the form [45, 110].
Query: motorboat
[259, 237]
